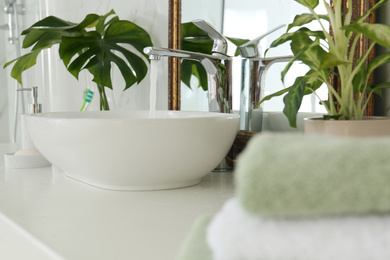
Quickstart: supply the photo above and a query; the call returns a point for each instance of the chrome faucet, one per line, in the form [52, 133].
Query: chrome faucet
[217, 65]
[254, 69]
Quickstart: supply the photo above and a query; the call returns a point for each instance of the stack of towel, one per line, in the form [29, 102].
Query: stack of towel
[304, 198]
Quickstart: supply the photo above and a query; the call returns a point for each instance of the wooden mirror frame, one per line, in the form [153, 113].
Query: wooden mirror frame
[360, 7]
[174, 40]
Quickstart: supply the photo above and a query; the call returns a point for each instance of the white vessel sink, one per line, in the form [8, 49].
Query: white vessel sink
[134, 150]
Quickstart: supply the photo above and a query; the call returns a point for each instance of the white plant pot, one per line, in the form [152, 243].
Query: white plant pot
[368, 126]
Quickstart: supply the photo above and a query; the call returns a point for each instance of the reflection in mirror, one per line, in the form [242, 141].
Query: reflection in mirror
[248, 19]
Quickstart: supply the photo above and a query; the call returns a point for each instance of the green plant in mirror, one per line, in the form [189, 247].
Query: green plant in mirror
[323, 52]
[195, 40]
[94, 44]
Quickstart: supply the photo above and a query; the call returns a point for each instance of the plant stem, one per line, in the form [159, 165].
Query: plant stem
[357, 111]
[322, 102]
[103, 98]
[327, 35]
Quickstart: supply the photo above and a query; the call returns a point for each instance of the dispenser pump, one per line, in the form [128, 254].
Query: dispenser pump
[34, 107]
[251, 48]
[28, 156]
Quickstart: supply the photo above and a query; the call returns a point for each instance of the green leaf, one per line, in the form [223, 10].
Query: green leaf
[32, 37]
[238, 42]
[191, 68]
[202, 76]
[71, 46]
[127, 32]
[128, 75]
[313, 82]
[359, 79]
[191, 30]
[288, 36]
[293, 100]
[308, 3]
[89, 21]
[51, 23]
[23, 63]
[378, 88]
[276, 94]
[50, 30]
[101, 25]
[136, 63]
[100, 69]
[186, 71]
[81, 47]
[194, 39]
[303, 19]
[194, 68]
[47, 40]
[378, 61]
[314, 56]
[78, 63]
[100, 49]
[330, 60]
[295, 58]
[379, 33]
[376, 6]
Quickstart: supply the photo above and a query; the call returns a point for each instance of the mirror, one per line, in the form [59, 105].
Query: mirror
[241, 19]
[248, 19]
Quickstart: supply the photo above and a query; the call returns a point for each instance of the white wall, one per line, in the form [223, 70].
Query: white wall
[4, 130]
[8, 52]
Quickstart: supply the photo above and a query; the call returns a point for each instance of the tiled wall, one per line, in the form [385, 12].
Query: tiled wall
[58, 90]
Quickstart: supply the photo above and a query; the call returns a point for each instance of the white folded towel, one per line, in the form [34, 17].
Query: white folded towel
[237, 234]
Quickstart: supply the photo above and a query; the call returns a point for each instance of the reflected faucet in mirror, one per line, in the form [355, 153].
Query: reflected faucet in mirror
[217, 65]
[254, 69]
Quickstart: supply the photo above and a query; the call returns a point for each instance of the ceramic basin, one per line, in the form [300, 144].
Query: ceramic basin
[134, 150]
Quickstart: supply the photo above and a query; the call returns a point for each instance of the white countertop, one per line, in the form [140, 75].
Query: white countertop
[61, 218]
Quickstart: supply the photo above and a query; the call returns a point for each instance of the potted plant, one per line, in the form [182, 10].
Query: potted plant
[322, 52]
[92, 45]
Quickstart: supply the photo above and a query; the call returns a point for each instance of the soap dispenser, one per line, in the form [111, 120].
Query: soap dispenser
[253, 70]
[28, 156]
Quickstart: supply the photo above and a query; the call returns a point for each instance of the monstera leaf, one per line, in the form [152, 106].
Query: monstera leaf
[195, 40]
[94, 44]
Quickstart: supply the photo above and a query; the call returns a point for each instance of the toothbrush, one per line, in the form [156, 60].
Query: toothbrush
[87, 96]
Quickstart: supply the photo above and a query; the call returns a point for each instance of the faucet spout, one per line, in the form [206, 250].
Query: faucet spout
[209, 62]
[218, 68]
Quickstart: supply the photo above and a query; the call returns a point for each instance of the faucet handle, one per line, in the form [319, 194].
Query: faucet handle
[220, 42]
[251, 48]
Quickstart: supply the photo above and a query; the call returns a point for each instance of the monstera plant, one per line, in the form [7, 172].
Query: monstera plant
[93, 45]
[195, 40]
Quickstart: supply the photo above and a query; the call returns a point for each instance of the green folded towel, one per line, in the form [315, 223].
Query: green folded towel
[195, 246]
[293, 175]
